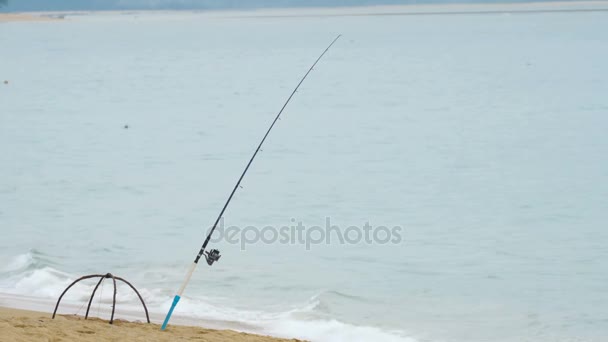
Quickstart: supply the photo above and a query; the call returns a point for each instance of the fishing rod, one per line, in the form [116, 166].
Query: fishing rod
[214, 255]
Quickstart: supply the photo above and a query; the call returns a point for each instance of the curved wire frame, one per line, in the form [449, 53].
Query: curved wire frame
[102, 276]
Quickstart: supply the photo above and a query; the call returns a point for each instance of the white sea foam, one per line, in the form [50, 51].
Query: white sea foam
[289, 324]
[18, 263]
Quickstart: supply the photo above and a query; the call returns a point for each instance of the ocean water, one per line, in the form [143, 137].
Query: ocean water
[483, 137]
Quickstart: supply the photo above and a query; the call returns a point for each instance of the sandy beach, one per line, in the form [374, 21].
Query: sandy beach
[21, 325]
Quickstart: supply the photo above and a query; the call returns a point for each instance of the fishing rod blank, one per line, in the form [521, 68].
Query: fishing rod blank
[214, 255]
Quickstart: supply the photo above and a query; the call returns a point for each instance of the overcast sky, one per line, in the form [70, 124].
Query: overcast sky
[62, 5]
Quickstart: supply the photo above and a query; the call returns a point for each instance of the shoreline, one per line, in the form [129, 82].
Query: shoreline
[27, 325]
[346, 11]
[45, 306]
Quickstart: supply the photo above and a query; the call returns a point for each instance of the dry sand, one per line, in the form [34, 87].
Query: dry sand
[27, 326]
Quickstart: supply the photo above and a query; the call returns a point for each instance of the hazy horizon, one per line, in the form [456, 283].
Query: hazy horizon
[66, 5]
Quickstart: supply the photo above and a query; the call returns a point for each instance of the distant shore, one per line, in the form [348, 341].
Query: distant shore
[15, 17]
[380, 10]
[23, 325]
[432, 9]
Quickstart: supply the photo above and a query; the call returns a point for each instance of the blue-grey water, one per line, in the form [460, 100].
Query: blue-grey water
[482, 136]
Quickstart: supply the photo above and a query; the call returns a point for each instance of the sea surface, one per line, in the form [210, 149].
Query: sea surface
[483, 137]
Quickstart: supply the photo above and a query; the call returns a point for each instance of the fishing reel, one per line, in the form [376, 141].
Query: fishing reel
[212, 256]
